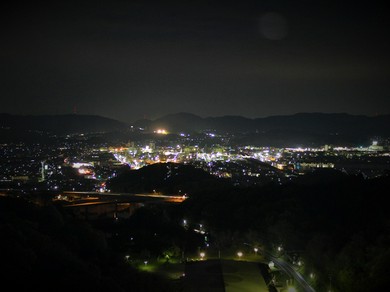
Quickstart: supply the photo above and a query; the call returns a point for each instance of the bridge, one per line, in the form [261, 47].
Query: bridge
[123, 197]
[97, 204]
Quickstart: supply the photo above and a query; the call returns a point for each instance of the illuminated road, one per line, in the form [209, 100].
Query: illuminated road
[289, 270]
[128, 196]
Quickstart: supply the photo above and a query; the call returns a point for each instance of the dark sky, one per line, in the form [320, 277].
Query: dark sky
[133, 59]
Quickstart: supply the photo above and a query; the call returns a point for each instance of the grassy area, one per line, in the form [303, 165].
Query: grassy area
[238, 273]
[172, 269]
[205, 276]
[242, 276]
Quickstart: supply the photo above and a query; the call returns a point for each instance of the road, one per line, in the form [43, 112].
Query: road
[289, 270]
[128, 196]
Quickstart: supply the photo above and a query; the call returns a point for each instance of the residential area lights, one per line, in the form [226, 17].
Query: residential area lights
[221, 159]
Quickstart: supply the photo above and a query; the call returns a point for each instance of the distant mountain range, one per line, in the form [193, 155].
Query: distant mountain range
[306, 128]
[307, 122]
[302, 128]
[63, 124]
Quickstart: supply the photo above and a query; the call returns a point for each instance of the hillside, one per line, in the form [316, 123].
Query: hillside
[302, 128]
[169, 178]
[63, 124]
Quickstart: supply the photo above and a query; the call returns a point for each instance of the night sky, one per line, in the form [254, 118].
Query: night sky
[133, 59]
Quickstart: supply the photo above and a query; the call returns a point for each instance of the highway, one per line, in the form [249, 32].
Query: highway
[128, 196]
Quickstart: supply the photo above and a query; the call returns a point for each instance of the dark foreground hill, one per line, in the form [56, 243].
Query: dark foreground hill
[43, 249]
[165, 177]
[338, 224]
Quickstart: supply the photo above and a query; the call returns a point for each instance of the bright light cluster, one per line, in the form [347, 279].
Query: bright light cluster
[161, 131]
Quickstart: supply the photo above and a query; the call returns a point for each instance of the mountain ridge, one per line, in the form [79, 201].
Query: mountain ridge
[64, 124]
[307, 127]
[336, 121]
[298, 129]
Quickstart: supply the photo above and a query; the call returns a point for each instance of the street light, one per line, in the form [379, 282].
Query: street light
[202, 255]
[256, 250]
[240, 254]
[271, 264]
